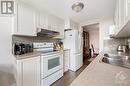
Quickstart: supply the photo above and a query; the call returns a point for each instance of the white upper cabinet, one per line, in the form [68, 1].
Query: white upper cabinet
[122, 18]
[127, 11]
[74, 25]
[116, 18]
[25, 20]
[43, 21]
[69, 24]
[51, 22]
[122, 8]
[59, 26]
[112, 30]
[28, 20]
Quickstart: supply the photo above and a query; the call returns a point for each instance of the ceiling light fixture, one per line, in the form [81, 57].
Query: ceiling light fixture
[77, 7]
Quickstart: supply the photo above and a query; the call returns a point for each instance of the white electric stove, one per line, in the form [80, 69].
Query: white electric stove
[51, 63]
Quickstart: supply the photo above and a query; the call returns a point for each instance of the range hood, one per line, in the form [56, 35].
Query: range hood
[47, 33]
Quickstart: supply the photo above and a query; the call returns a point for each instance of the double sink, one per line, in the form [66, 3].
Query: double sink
[117, 60]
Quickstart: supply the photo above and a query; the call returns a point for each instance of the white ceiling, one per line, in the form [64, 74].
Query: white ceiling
[93, 8]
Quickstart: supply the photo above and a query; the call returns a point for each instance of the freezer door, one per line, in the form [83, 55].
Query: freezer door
[79, 60]
[76, 61]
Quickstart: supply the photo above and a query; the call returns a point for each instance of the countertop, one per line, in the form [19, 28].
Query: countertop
[35, 54]
[102, 74]
[28, 55]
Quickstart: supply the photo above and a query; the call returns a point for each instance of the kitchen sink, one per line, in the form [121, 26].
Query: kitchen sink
[122, 61]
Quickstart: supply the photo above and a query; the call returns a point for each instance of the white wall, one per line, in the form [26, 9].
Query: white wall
[6, 57]
[103, 28]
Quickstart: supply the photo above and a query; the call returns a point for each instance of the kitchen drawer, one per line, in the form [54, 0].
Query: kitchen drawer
[52, 78]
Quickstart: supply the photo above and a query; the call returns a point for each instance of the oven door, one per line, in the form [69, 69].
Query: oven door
[51, 64]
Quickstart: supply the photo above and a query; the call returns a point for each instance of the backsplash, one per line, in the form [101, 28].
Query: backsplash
[112, 44]
[25, 39]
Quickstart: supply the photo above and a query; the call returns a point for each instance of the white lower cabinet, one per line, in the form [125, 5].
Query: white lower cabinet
[66, 60]
[28, 72]
[52, 78]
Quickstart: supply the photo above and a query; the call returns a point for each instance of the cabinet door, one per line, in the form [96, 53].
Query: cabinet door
[51, 22]
[29, 72]
[66, 60]
[121, 13]
[44, 21]
[19, 73]
[73, 25]
[127, 11]
[116, 17]
[26, 23]
[60, 26]
[128, 8]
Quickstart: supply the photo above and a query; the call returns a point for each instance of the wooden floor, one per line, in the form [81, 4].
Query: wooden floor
[69, 76]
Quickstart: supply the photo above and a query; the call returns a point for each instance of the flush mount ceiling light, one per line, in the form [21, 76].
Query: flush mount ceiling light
[77, 7]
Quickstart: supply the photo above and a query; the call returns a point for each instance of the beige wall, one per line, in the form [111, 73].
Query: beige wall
[94, 39]
[93, 35]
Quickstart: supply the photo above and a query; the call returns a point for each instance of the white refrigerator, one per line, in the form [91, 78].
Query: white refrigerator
[73, 41]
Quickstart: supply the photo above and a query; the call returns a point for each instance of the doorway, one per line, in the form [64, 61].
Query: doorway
[90, 42]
